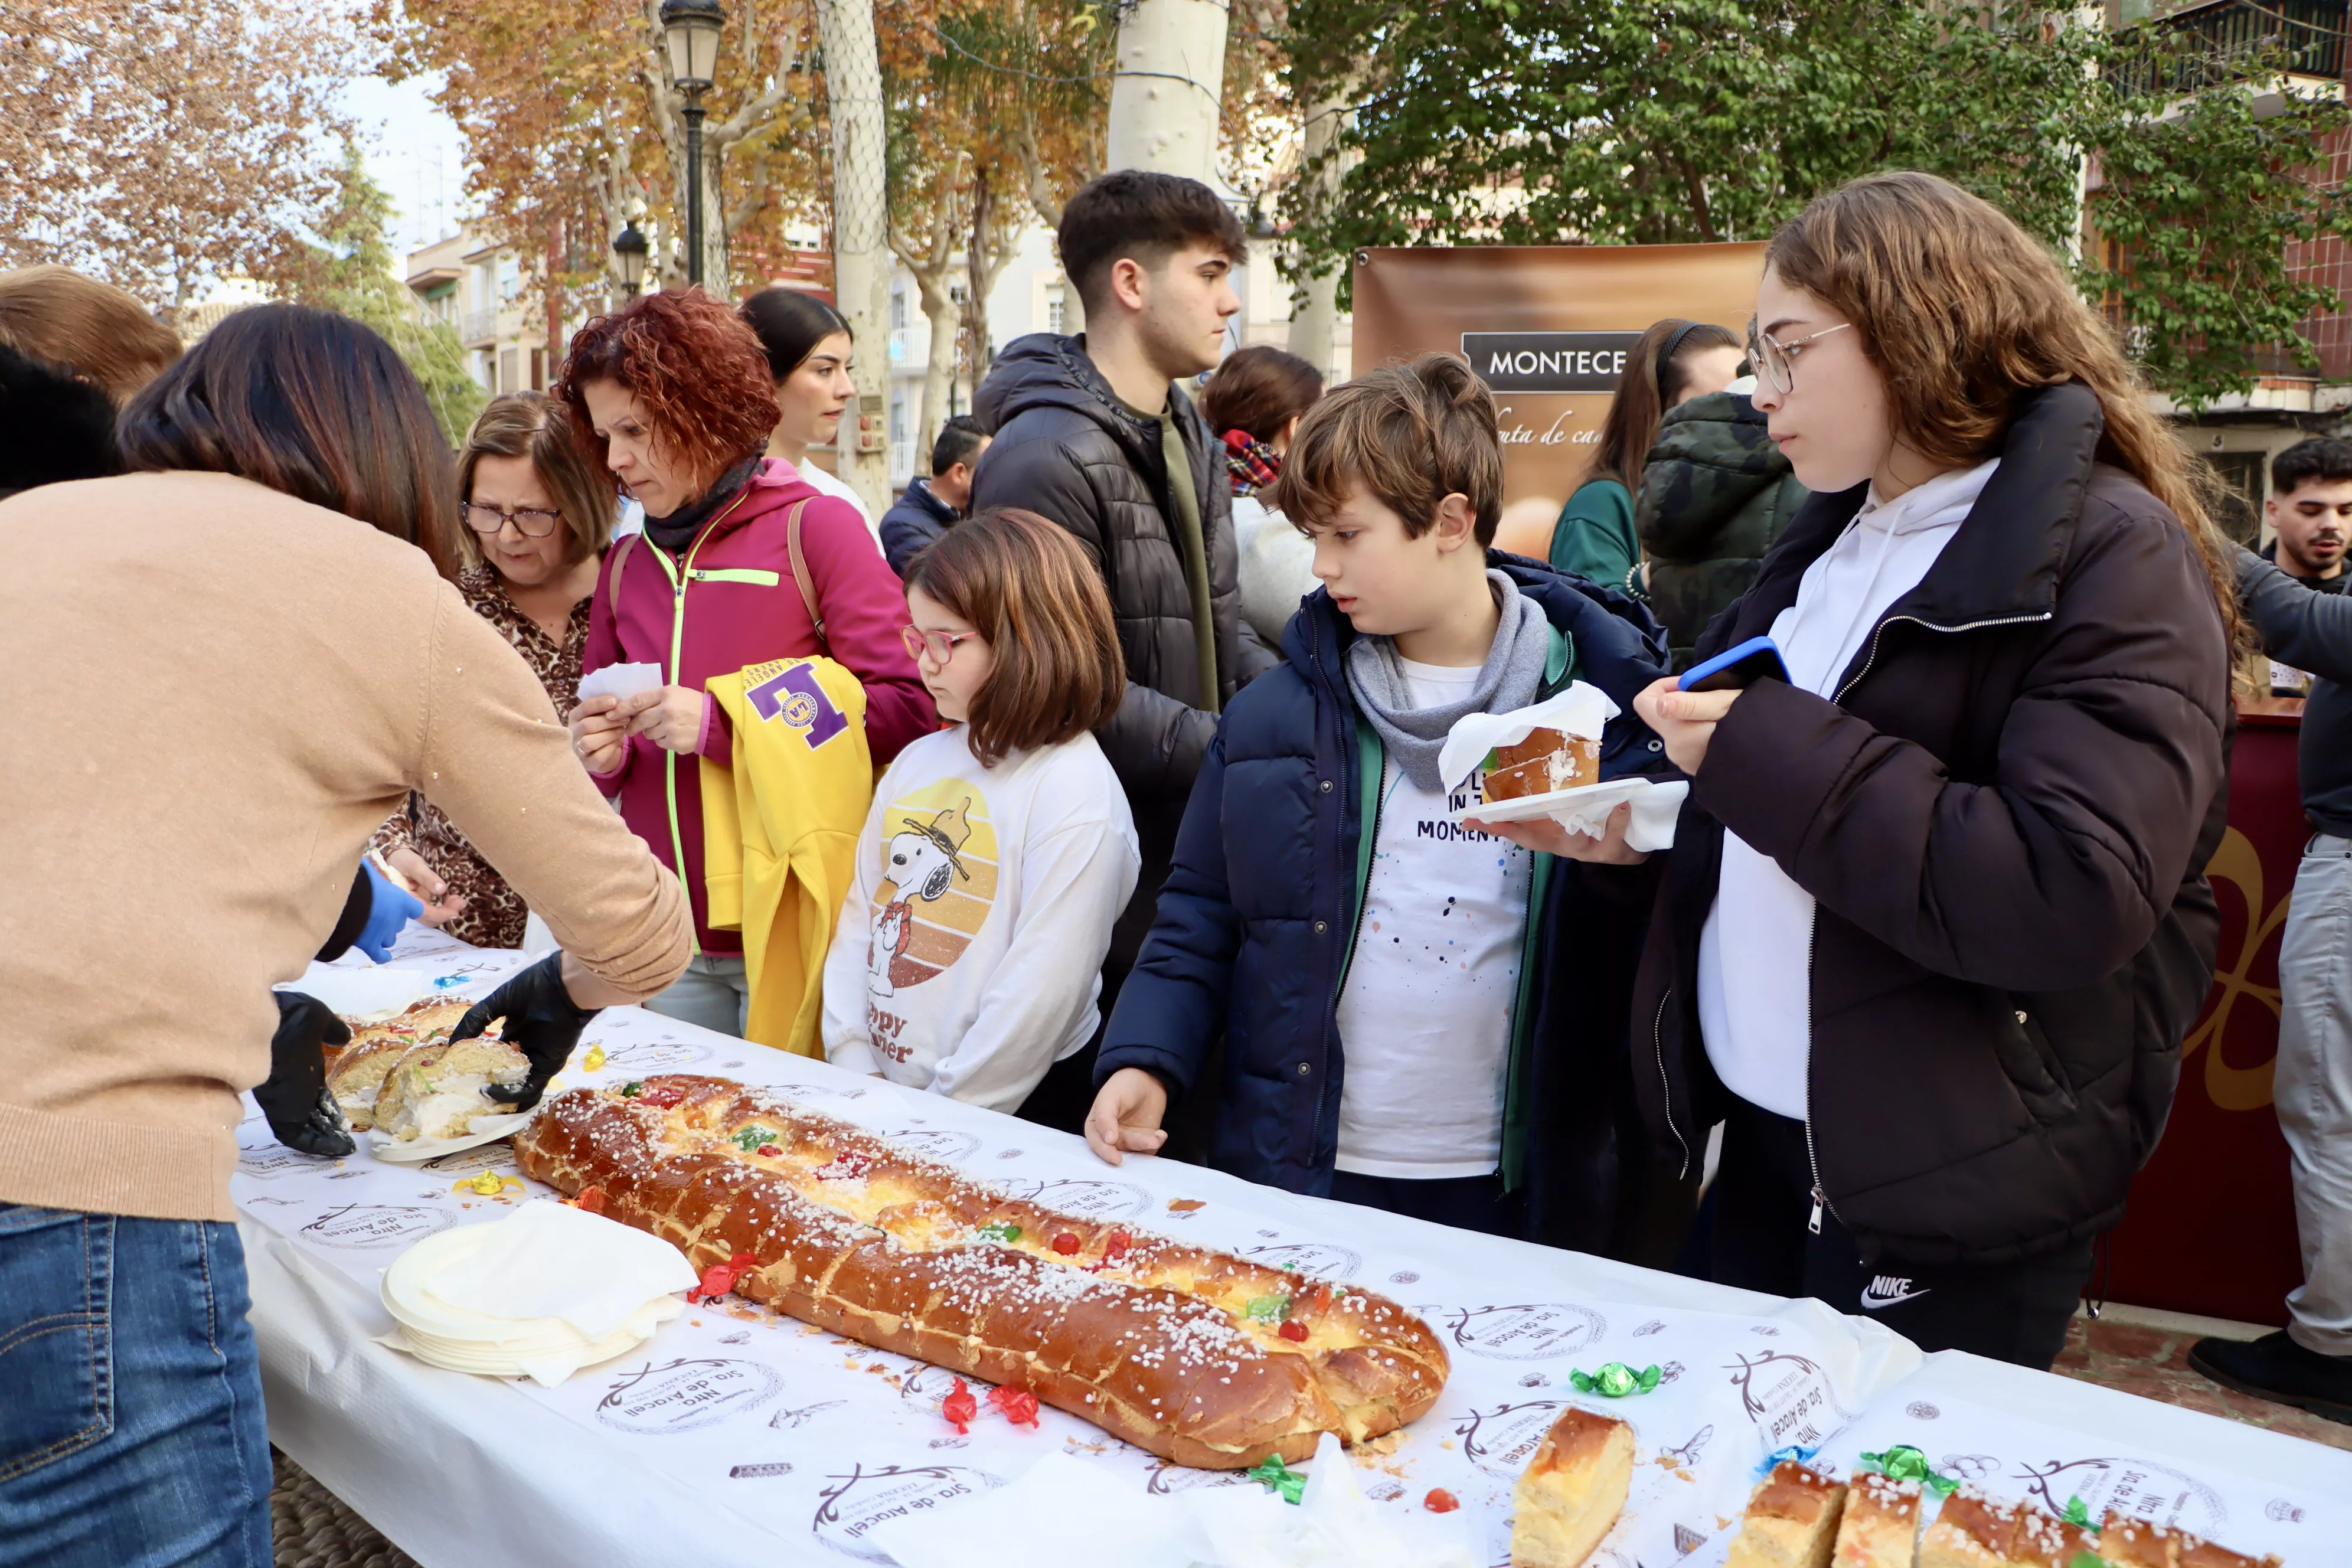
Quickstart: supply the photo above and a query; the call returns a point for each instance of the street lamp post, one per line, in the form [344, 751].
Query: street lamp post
[690, 33]
[630, 246]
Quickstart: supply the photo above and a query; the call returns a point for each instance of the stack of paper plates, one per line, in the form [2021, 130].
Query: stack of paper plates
[540, 1294]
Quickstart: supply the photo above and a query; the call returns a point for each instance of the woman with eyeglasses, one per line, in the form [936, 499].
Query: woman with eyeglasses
[538, 517]
[1938, 919]
[742, 561]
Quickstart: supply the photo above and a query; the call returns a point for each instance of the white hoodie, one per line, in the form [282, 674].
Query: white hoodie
[1756, 954]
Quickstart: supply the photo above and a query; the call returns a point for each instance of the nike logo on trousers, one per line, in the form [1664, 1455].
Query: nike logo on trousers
[1889, 1290]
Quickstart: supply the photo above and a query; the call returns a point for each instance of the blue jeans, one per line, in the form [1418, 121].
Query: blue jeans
[130, 1425]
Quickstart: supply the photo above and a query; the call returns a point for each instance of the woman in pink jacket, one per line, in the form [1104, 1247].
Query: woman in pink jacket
[673, 395]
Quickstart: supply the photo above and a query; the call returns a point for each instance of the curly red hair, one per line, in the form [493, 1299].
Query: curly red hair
[695, 369]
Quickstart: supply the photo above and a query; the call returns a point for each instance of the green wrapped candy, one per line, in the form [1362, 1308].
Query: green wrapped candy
[1903, 1462]
[1616, 1380]
[1279, 1477]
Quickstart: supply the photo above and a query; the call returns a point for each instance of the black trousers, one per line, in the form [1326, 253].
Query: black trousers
[1465, 1202]
[1762, 1198]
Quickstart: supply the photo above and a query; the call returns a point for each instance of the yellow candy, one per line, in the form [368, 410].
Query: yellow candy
[593, 1060]
[490, 1183]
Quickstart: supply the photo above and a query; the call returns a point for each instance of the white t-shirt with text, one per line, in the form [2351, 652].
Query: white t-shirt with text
[1425, 1016]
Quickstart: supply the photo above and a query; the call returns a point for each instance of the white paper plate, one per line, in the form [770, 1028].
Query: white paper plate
[371, 995]
[1656, 806]
[486, 1130]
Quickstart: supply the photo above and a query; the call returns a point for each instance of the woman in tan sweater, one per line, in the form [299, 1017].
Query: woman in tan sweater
[244, 663]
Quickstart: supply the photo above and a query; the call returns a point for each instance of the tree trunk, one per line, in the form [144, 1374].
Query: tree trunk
[1165, 86]
[1314, 312]
[946, 319]
[861, 256]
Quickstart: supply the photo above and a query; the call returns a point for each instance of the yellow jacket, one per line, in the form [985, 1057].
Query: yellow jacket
[780, 832]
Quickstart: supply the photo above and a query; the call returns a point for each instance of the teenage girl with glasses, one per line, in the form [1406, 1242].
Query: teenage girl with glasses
[999, 851]
[1937, 916]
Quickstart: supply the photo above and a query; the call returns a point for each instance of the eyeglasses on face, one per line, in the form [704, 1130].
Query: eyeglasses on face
[1777, 359]
[940, 645]
[531, 521]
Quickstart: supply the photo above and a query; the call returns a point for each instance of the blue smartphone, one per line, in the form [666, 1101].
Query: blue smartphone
[1738, 668]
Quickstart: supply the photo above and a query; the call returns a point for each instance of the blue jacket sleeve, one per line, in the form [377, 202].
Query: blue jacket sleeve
[1174, 1004]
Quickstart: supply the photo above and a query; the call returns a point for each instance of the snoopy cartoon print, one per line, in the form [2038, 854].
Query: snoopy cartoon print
[921, 864]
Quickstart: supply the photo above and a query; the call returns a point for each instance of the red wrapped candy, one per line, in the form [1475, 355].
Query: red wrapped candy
[1440, 1501]
[717, 1280]
[1292, 1328]
[1020, 1406]
[1065, 1244]
[960, 1408]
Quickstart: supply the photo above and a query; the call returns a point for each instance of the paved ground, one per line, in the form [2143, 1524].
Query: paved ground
[2147, 1353]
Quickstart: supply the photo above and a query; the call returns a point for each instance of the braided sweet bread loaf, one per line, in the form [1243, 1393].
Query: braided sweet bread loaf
[1197, 1356]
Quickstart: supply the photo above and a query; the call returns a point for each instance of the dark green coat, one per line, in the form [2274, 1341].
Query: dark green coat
[1716, 493]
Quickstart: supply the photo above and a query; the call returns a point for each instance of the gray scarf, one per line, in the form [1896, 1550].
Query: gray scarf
[1511, 677]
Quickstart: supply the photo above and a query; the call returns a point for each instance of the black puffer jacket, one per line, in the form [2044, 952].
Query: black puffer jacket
[2005, 818]
[1067, 449]
[1716, 493]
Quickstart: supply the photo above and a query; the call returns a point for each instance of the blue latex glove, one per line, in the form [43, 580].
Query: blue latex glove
[390, 907]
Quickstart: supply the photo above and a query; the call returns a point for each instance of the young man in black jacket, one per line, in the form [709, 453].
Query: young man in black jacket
[1094, 433]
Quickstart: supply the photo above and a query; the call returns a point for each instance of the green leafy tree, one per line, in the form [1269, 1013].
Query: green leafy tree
[350, 268]
[1600, 121]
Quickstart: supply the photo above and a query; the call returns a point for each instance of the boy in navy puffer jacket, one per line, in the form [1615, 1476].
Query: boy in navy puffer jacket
[1322, 892]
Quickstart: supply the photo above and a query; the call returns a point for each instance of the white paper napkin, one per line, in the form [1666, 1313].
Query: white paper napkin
[1061, 1510]
[1334, 1525]
[547, 1260]
[1064, 1510]
[622, 680]
[1581, 709]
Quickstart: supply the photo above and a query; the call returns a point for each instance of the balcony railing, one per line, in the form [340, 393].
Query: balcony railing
[479, 325]
[2219, 43]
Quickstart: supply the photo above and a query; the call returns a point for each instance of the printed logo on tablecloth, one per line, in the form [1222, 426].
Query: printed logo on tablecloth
[1167, 1478]
[2156, 1492]
[794, 1420]
[1501, 1441]
[2281, 1512]
[854, 1503]
[376, 1225]
[1316, 1259]
[941, 1143]
[643, 1057]
[498, 1159]
[266, 1165]
[1685, 1455]
[687, 1395]
[766, 1470]
[1091, 1199]
[1542, 1332]
[1790, 1399]
[924, 1385]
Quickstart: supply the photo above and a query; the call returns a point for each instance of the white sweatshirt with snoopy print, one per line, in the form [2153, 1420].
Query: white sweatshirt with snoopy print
[969, 953]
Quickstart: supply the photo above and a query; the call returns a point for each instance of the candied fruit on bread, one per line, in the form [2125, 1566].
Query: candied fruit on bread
[1200, 1357]
[1571, 1491]
[1791, 1520]
[1548, 760]
[1880, 1526]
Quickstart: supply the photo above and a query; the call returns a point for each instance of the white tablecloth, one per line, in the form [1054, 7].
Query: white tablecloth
[738, 1436]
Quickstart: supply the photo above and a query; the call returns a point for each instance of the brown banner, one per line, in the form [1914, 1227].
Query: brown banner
[1547, 326]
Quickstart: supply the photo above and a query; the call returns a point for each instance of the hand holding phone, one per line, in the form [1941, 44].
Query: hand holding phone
[1738, 668]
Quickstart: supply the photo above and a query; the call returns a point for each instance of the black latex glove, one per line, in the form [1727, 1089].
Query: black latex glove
[541, 1021]
[301, 1112]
